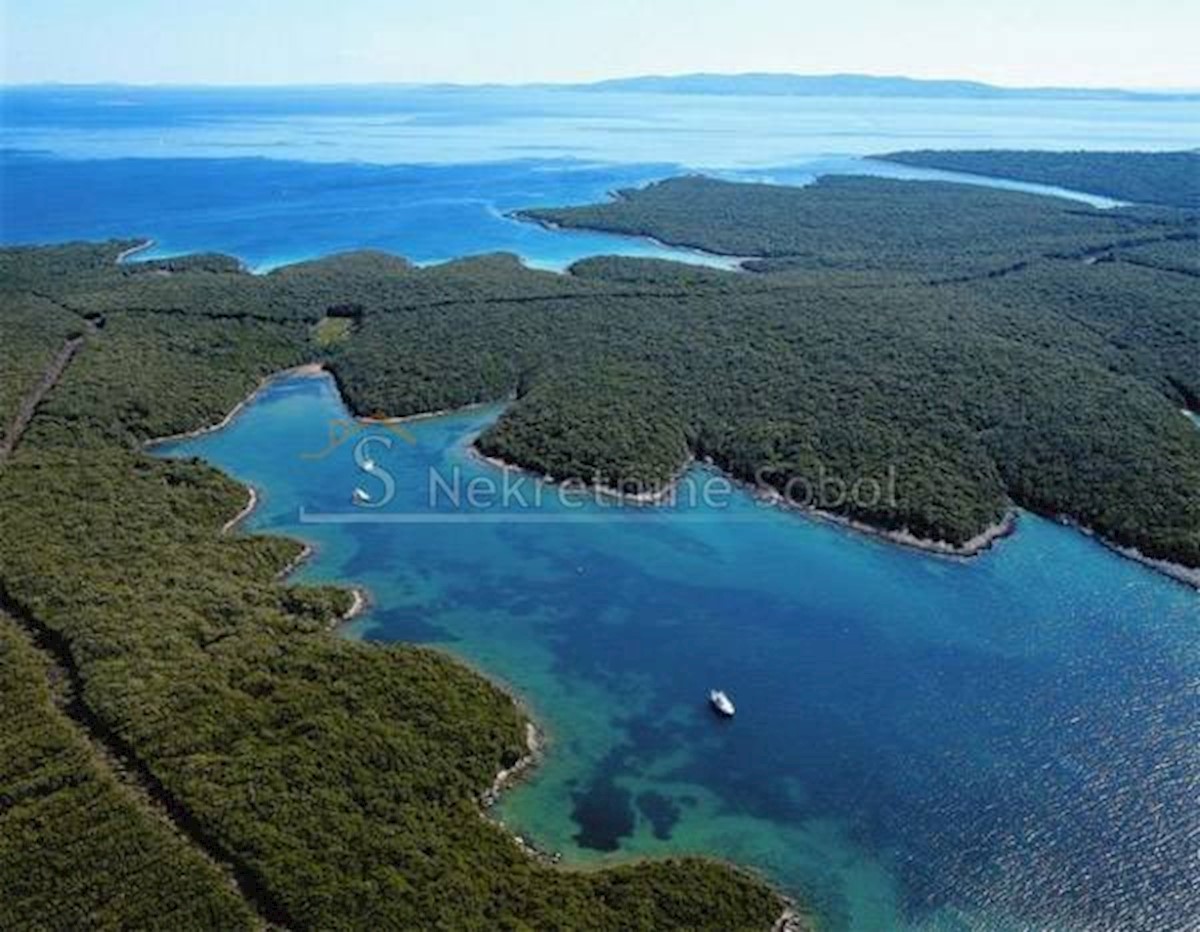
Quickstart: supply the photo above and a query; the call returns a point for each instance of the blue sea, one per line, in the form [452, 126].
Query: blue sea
[921, 743]
[279, 176]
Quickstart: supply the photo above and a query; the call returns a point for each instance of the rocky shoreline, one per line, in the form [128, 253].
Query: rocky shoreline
[735, 263]
[792, 921]
[1189, 576]
[508, 777]
[426, 415]
[305, 370]
[133, 250]
[981, 542]
[247, 510]
[975, 546]
[978, 544]
[657, 497]
[360, 601]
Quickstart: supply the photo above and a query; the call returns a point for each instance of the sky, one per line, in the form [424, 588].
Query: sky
[1085, 43]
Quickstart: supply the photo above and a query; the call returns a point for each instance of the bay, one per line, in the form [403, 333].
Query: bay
[921, 742]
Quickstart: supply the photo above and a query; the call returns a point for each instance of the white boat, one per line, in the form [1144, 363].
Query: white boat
[721, 703]
[369, 465]
[361, 496]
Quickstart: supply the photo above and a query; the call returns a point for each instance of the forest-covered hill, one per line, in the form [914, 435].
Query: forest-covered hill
[1170, 178]
[915, 230]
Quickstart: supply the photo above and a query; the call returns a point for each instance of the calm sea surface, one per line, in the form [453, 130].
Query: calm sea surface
[277, 176]
[1002, 743]
[921, 743]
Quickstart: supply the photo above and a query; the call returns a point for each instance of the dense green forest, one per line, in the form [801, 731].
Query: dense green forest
[858, 226]
[1044, 377]
[339, 781]
[34, 331]
[63, 814]
[1044, 363]
[1180, 255]
[975, 393]
[1168, 178]
[964, 381]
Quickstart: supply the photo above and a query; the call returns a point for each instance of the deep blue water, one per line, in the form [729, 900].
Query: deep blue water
[921, 742]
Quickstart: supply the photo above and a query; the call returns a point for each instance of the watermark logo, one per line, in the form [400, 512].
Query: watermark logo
[341, 430]
[828, 491]
[454, 494]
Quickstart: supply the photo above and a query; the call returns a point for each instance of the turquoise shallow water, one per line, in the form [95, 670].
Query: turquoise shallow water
[269, 212]
[921, 743]
[279, 175]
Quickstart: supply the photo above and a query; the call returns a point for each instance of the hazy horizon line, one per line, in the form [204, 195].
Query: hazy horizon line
[449, 83]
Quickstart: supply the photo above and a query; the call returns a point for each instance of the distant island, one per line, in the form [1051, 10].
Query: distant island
[754, 84]
[861, 85]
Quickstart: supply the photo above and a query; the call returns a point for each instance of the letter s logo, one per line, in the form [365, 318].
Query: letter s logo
[375, 471]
